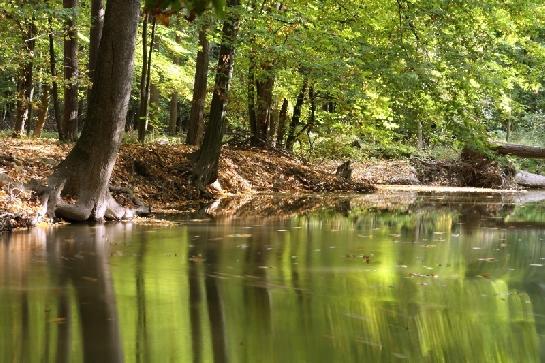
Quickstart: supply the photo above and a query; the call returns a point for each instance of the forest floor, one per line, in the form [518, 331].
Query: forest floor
[159, 174]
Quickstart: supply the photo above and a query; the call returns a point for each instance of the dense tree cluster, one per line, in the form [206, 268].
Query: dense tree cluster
[318, 77]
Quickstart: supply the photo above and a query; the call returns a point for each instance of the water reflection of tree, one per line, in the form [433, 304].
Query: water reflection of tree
[255, 294]
[142, 351]
[204, 266]
[86, 266]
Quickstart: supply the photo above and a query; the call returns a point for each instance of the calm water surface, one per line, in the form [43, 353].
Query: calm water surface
[409, 278]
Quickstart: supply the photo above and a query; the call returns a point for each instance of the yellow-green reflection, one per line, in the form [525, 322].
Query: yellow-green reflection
[443, 279]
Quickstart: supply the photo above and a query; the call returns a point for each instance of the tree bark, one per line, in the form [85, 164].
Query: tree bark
[196, 118]
[273, 125]
[205, 170]
[531, 180]
[173, 114]
[282, 119]
[141, 123]
[145, 84]
[420, 136]
[70, 119]
[97, 23]
[251, 102]
[54, 85]
[264, 89]
[25, 84]
[295, 119]
[86, 171]
[42, 111]
[520, 150]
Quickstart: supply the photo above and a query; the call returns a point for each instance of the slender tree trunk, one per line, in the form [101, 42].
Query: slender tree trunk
[42, 111]
[251, 102]
[25, 85]
[508, 130]
[196, 117]
[295, 119]
[264, 88]
[173, 114]
[420, 136]
[273, 125]
[70, 119]
[141, 123]
[282, 119]
[54, 85]
[205, 170]
[144, 97]
[86, 171]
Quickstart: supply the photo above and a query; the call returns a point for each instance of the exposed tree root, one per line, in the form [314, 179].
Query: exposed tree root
[55, 206]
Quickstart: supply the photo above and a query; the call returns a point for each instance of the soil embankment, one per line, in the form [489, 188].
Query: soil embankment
[159, 175]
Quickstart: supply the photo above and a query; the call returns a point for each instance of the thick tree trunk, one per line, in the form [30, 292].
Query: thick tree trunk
[196, 118]
[295, 119]
[86, 171]
[282, 119]
[54, 85]
[173, 114]
[145, 80]
[95, 33]
[70, 119]
[97, 23]
[520, 150]
[264, 90]
[25, 85]
[205, 170]
[42, 111]
[251, 102]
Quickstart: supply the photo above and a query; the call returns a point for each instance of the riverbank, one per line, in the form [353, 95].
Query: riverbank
[159, 175]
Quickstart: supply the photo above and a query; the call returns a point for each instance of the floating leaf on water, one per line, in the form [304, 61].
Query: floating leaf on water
[475, 248]
[59, 320]
[197, 259]
[239, 235]
[487, 259]
[536, 264]
[282, 230]
[90, 279]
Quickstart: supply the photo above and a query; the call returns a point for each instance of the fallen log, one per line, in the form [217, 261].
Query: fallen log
[522, 151]
[528, 179]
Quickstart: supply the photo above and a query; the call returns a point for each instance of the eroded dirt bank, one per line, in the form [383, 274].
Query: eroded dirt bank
[159, 175]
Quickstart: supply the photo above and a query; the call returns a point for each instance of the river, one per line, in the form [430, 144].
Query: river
[407, 277]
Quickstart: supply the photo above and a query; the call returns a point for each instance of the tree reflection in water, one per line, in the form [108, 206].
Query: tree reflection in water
[444, 279]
